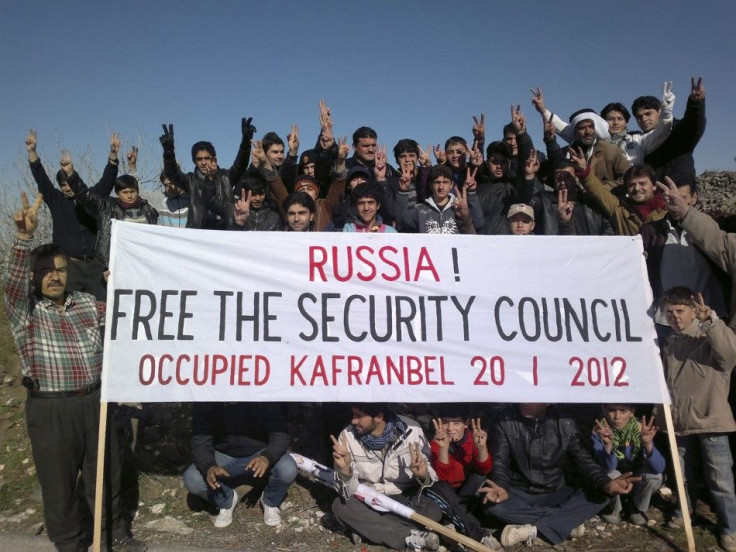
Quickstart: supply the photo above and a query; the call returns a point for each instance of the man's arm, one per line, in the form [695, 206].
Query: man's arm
[656, 137]
[501, 454]
[560, 126]
[241, 159]
[171, 167]
[104, 187]
[92, 203]
[50, 194]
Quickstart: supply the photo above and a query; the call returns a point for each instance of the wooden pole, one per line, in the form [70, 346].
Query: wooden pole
[449, 533]
[679, 477]
[101, 438]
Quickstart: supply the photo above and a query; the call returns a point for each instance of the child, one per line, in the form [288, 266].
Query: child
[623, 444]
[698, 359]
[461, 460]
[366, 200]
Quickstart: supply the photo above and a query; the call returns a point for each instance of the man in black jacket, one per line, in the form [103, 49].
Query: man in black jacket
[532, 445]
[210, 188]
[235, 442]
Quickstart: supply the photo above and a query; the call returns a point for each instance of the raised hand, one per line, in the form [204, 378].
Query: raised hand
[479, 127]
[648, 431]
[470, 182]
[115, 145]
[259, 465]
[242, 208]
[480, 437]
[673, 200]
[247, 129]
[341, 455]
[424, 159]
[405, 179]
[167, 138]
[697, 90]
[578, 158]
[668, 98]
[325, 115]
[439, 155]
[440, 435]
[623, 484]
[343, 149]
[603, 430]
[132, 156]
[531, 166]
[418, 465]
[379, 168]
[518, 119]
[460, 206]
[66, 162]
[476, 156]
[549, 129]
[538, 100]
[258, 156]
[702, 310]
[213, 474]
[492, 492]
[565, 208]
[31, 141]
[293, 140]
[26, 219]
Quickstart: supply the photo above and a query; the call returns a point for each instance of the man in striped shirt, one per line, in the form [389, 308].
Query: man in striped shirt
[58, 335]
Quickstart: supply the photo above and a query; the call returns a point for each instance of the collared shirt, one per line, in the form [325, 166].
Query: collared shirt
[59, 347]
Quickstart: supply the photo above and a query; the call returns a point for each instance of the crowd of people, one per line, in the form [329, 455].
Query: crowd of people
[531, 474]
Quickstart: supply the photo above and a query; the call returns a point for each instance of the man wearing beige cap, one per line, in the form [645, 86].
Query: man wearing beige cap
[520, 219]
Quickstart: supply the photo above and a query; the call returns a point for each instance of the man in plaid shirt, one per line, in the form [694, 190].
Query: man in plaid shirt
[60, 345]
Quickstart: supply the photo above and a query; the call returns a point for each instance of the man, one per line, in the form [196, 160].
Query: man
[590, 132]
[172, 203]
[443, 212]
[527, 489]
[261, 215]
[59, 338]
[499, 191]
[210, 188]
[674, 158]
[233, 443]
[390, 454]
[704, 233]
[520, 219]
[365, 147]
[298, 211]
[75, 230]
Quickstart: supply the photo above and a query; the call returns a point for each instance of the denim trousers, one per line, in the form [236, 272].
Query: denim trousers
[707, 456]
[279, 477]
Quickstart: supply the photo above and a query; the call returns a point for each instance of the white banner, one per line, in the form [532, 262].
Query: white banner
[195, 315]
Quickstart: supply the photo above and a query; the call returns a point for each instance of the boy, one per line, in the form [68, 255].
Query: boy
[520, 219]
[623, 444]
[698, 360]
[366, 200]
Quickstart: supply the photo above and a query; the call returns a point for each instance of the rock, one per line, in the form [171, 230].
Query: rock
[158, 508]
[38, 528]
[169, 525]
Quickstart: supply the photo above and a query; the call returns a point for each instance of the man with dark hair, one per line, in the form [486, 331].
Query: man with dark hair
[298, 211]
[59, 339]
[674, 158]
[210, 188]
[365, 146]
[261, 214]
[74, 229]
[390, 454]
[172, 203]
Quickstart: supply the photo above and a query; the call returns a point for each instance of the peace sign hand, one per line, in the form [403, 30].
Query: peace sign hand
[242, 208]
[26, 219]
[603, 431]
[439, 155]
[480, 437]
[424, 159]
[564, 208]
[538, 100]
[648, 431]
[167, 138]
[470, 182]
[440, 435]
[341, 455]
[418, 464]
[702, 310]
[697, 90]
[479, 127]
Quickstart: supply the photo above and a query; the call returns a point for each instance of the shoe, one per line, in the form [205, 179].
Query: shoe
[676, 523]
[422, 540]
[637, 518]
[225, 516]
[513, 534]
[271, 514]
[128, 544]
[611, 519]
[491, 542]
[578, 532]
[728, 542]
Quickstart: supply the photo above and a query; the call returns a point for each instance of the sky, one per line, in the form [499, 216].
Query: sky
[76, 70]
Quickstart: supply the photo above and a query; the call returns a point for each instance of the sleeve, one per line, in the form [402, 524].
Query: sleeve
[656, 137]
[452, 472]
[406, 217]
[476, 213]
[607, 461]
[588, 469]
[709, 238]
[277, 188]
[104, 187]
[656, 462]
[288, 171]
[203, 443]
[482, 467]
[560, 125]
[500, 450]
[628, 223]
[18, 285]
[240, 164]
[175, 174]
[278, 437]
[92, 203]
[51, 195]
[722, 341]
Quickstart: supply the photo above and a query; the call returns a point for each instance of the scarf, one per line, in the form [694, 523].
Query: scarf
[394, 428]
[627, 436]
[132, 205]
[646, 209]
[619, 138]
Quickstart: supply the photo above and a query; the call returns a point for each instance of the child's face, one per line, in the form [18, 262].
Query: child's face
[128, 195]
[618, 415]
[456, 155]
[367, 208]
[679, 317]
[455, 428]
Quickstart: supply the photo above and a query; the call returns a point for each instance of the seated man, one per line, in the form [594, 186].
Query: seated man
[233, 442]
[623, 444]
[530, 445]
[390, 454]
